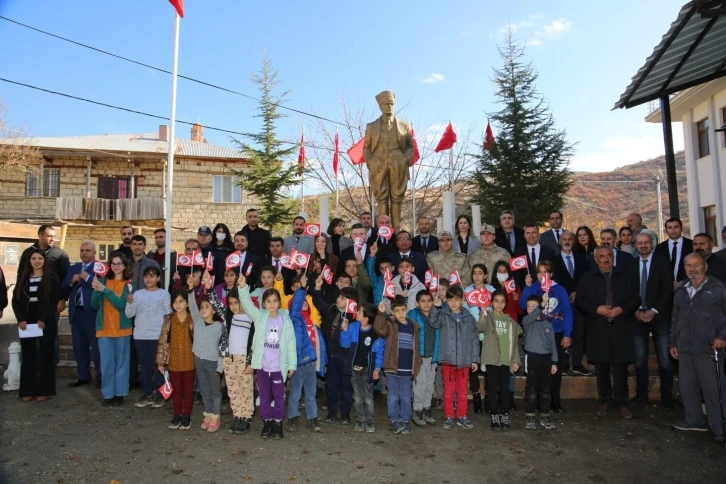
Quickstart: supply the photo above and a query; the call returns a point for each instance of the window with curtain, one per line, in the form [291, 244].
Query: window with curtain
[226, 190]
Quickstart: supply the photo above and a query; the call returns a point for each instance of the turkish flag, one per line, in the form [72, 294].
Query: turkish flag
[489, 143]
[407, 278]
[518, 263]
[454, 278]
[232, 260]
[100, 269]
[351, 307]
[300, 259]
[198, 258]
[287, 261]
[447, 140]
[510, 286]
[183, 260]
[248, 271]
[179, 6]
[387, 276]
[355, 152]
[327, 274]
[210, 261]
[389, 289]
[313, 230]
[416, 153]
[301, 153]
[336, 155]
[428, 277]
[434, 286]
[485, 299]
[546, 283]
[472, 297]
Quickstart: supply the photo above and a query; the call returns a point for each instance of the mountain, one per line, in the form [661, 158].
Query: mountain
[604, 199]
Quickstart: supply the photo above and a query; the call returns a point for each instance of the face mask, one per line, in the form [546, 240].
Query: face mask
[221, 236]
[502, 277]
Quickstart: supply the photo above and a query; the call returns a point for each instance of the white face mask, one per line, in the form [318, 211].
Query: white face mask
[221, 236]
[502, 277]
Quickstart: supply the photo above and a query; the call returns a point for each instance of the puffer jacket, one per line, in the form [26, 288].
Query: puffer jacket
[459, 341]
[349, 339]
[419, 318]
[696, 321]
[306, 351]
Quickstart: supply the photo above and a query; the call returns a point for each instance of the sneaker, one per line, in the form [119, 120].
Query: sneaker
[276, 429]
[418, 419]
[345, 419]
[495, 421]
[448, 423]
[544, 421]
[439, 404]
[107, 402]
[186, 423]
[465, 423]
[175, 422]
[205, 422]
[292, 424]
[214, 422]
[397, 427]
[504, 421]
[314, 425]
[332, 417]
[235, 424]
[266, 429]
[531, 422]
[580, 370]
[685, 426]
[719, 439]
[243, 427]
[406, 428]
[158, 401]
[370, 428]
[359, 426]
[428, 417]
[144, 401]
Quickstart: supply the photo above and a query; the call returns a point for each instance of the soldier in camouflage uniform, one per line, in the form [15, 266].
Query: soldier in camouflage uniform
[444, 261]
[488, 253]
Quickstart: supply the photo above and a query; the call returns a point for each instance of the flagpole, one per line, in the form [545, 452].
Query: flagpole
[413, 196]
[451, 176]
[302, 185]
[337, 192]
[170, 152]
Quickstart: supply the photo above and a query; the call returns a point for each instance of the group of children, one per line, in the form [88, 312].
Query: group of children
[274, 337]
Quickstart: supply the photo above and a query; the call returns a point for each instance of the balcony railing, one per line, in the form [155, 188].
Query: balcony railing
[102, 209]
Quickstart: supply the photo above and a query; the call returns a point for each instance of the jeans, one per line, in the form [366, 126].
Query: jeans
[455, 382]
[362, 395]
[338, 386]
[423, 386]
[85, 343]
[182, 396]
[115, 353]
[272, 389]
[498, 388]
[151, 379]
[399, 397]
[208, 383]
[660, 331]
[304, 377]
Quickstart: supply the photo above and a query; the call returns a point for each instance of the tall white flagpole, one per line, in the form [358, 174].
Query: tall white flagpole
[302, 173]
[170, 155]
[337, 192]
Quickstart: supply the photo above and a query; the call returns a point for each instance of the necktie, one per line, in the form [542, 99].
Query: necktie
[557, 236]
[534, 262]
[277, 264]
[79, 292]
[674, 255]
[643, 284]
[423, 243]
[570, 266]
[511, 241]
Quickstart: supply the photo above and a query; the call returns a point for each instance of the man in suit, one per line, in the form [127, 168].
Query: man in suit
[388, 151]
[298, 240]
[351, 253]
[621, 259]
[652, 276]
[535, 253]
[551, 238]
[716, 266]
[275, 261]
[76, 289]
[159, 256]
[403, 243]
[248, 260]
[385, 247]
[607, 299]
[507, 235]
[675, 248]
[366, 220]
[569, 267]
[425, 241]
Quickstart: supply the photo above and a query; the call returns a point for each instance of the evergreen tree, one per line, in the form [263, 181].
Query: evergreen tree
[527, 169]
[269, 178]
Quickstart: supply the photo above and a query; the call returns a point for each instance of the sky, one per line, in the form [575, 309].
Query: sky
[436, 56]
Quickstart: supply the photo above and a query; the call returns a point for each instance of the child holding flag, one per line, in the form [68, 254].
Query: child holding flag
[407, 285]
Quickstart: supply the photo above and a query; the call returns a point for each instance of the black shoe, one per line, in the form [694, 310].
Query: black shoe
[345, 419]
[243, 427]
[512, 405]
[439, 404]
[78, 383]
[487, 408]
[580, 370]
[118, 401]
[107, 402]
[235, 424]
[292, 424]
[477, 402]
[635, 401]
[504, 421]
[276, 430]
[332, 417]
[314, 425]
[175, 422]
[494, 418]
[266, 429]
[186, 423]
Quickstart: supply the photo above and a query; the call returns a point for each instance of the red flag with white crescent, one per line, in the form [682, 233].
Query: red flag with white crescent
[472, 297]
[351, 307]
[183, 260]
[546, 283]
[287, 262]
[416, 153]
[454, 278]
[233, 260]
[327, 274]
[100, 269]
[485, 299]
[434, 286]
[312, 230]
[389, 289]
[510, 286]
[518, 263]
[428, 276]
[301, 153]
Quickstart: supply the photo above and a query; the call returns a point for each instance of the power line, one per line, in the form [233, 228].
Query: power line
[148, 66]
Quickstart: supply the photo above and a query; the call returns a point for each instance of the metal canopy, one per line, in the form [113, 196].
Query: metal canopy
[692, 52]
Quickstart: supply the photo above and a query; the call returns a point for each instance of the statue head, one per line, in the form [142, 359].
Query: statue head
[386, 101]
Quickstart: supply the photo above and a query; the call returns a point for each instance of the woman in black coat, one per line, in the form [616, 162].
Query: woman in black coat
[35, 300]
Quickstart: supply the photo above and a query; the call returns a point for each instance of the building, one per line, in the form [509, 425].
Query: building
[701, 110]
[91, 186]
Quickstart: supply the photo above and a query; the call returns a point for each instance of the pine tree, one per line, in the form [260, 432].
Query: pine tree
[269, 177]
[527, 170]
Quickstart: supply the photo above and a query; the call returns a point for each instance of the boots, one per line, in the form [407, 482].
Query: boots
[276, 429]
[266, 429]
[477, 403]
[428, 417]
[494, 417]
[418, 418]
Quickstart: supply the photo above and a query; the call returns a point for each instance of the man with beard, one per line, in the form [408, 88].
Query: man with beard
[703, 244]
[247, 259]
[159, 255]
[125, 248]
[298, 240]
[258, 239]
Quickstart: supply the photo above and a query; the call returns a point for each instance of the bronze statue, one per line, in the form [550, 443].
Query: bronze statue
[388, 151]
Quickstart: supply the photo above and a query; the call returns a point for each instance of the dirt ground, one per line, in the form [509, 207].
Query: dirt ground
[72, 439]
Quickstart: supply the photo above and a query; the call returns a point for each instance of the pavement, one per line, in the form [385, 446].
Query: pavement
[72, 439]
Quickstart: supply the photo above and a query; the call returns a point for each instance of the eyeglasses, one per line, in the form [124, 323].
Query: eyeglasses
[117, 264]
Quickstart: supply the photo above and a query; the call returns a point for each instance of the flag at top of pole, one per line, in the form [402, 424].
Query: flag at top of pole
[489, 143]
[301, 154]
[179, 6]
[416, 153]
[447, 140]
[336, 157]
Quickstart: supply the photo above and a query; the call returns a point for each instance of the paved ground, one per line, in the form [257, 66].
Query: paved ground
[72, 439]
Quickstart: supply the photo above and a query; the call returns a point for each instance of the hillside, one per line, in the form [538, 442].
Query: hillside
[617, 200]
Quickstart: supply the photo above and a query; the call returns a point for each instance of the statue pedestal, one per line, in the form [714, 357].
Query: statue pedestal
[12, 374]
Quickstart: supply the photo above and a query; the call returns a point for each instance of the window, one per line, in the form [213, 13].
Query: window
[102, 248]
[702, 133]
[114, 188]
[709, 221]
[226, 190]
[51, 183]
